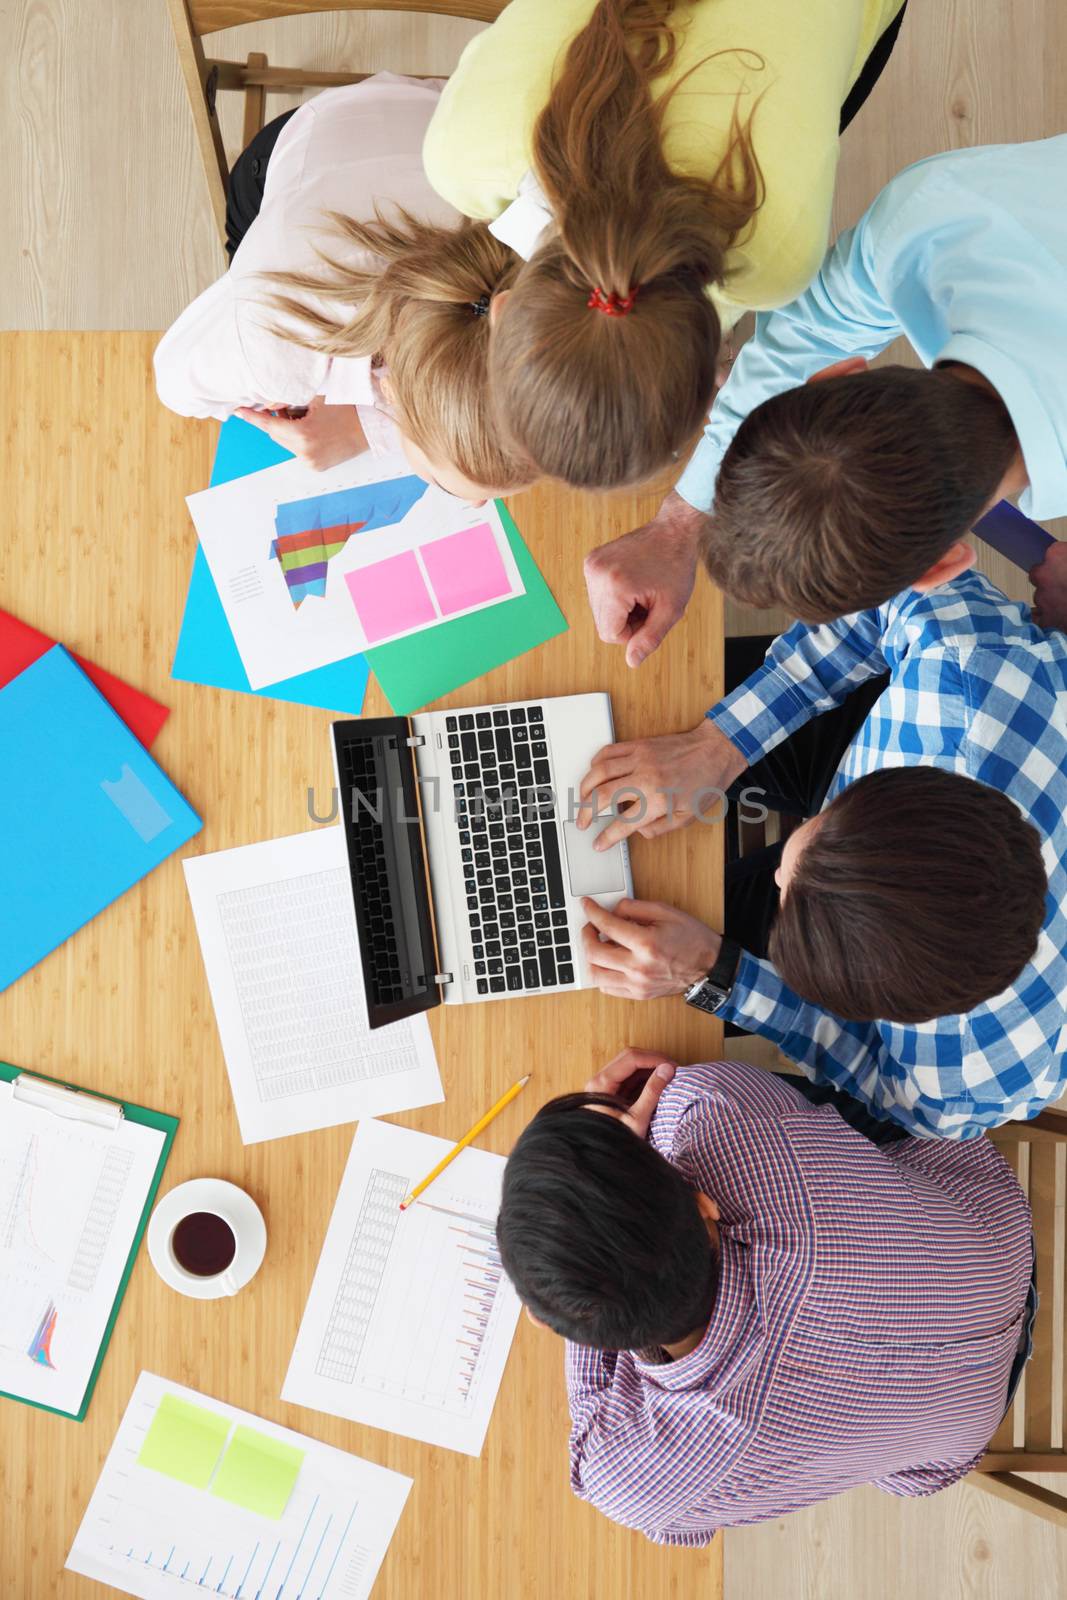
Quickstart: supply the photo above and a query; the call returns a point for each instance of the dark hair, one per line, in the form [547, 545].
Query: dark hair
[601, 1235]
[921, 894]
[837, 495]
[604, 401]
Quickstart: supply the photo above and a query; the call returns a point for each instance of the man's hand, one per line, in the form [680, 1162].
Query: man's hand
[1049, 578]
[640, 585]
[673, 779]
[643, 950]
[323, 435]
[639, 1077]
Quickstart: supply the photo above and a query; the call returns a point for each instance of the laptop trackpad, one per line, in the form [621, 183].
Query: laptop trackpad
[592, 872]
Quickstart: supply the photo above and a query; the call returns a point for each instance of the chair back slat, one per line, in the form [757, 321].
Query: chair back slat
[1059, 1287]
[1034, 1435]
[1016, 1152]
[210, 16]
[1039, 1372]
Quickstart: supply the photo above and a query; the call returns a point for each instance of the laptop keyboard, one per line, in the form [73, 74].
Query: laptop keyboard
[358, 769]
[509, 844]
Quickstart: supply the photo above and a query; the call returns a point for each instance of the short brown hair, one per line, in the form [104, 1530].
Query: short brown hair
[837, 495]
[600, 401]
[921, 894]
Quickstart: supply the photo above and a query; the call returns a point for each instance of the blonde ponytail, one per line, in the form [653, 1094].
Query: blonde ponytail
[603, 400]
[419, 311]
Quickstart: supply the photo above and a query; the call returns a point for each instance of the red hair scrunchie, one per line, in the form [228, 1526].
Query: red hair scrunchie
[612, 305]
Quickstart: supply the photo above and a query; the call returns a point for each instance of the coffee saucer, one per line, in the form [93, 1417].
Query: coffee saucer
[229, 1202]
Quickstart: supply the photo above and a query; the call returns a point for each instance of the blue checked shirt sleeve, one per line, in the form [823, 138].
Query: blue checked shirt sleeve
[842, 313]
[807, 671]
[915, 1076]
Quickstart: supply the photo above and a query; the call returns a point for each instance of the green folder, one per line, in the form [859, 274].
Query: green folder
[168, 1126]
[417, 670]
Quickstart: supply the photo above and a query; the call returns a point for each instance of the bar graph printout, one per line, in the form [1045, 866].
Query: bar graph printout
[410, 1318]
[71, 1198]
[199, 1498]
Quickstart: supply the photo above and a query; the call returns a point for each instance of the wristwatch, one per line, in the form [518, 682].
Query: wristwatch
[713, 991]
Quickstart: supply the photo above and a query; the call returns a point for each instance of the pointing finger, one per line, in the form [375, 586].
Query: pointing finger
[608, 923]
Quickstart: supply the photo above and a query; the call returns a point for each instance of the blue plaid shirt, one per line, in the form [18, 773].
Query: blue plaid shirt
[974, 688]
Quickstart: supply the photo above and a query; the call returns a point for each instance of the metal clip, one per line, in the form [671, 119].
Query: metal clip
[442, 977]
[415, 741]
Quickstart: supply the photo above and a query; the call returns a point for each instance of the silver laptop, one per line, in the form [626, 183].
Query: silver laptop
[466, 862]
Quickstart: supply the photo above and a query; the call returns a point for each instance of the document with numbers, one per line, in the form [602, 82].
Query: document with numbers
[77, 1178]
[411, 1317]
[277, 931]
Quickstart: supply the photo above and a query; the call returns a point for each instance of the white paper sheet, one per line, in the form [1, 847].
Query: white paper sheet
[276, 638]
[278, 934]
[147, 1534]
[410, 1318]
[71, 1197]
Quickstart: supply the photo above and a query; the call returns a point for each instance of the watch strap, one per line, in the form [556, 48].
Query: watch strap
[724, 971]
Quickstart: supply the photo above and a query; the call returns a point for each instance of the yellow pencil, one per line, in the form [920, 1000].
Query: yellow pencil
[494, 1111]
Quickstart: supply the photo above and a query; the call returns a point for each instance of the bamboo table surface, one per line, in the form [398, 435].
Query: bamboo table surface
[95, 549]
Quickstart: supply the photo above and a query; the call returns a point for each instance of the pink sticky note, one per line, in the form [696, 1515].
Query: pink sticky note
[390, 597]
[466, 569]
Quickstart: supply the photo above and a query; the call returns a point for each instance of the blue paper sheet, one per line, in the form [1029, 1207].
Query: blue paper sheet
[85, 812]
[206, 650]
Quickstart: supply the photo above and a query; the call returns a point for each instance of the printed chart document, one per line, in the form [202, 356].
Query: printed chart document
[278, 934]
[410, 1318]
[313, 567]
[198, 1497]
[72, 1196]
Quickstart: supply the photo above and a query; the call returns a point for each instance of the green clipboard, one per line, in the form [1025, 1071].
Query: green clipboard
[168, 1126]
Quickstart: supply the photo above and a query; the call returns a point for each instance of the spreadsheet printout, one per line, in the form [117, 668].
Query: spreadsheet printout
[278, 935]
[71, 1198]
[411, 1316]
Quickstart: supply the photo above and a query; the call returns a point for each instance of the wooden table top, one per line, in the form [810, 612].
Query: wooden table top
[96, 549]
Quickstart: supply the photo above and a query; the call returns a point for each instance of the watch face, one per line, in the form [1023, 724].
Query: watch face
[706, 996]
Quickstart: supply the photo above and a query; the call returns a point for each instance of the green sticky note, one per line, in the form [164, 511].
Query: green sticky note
[423, 667]
[258, 1472]
[184, 1441]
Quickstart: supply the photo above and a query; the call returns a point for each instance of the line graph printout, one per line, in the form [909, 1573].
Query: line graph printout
[71, 1197]
[278, 934]
[410, 1318]
[199, 1498]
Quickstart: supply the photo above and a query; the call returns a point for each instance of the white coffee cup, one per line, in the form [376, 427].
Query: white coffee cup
[240, 1214]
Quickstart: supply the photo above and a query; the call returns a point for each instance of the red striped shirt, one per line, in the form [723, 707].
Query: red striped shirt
[869, 1307]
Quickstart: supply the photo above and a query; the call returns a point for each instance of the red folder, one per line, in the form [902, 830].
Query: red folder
[20, 645]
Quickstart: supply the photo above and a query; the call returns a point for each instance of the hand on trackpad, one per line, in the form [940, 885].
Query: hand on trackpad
[592, 872]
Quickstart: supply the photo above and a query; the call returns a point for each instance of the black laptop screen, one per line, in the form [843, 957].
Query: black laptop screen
[379, 805]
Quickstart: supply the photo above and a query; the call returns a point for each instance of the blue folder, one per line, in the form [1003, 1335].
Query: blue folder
[206, 650]
[1017, 536]
[85, 812]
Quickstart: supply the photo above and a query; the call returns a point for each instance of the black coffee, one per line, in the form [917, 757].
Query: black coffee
[203, 1244]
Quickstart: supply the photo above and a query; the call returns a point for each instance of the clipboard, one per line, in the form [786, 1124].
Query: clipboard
[67, 1100]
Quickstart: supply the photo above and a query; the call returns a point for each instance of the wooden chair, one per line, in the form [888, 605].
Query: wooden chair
[1038, 1152]
[204, 77]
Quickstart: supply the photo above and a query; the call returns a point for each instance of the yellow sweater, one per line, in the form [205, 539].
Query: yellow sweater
[479, 143]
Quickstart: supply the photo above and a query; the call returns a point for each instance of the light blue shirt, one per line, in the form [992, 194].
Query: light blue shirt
[965, 254]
